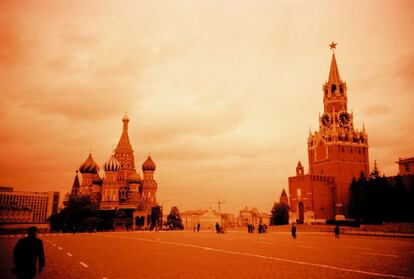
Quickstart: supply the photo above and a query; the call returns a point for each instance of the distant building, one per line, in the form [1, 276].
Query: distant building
[253, 216]
[18, 207]
[206, 218]
[229, 220]
[406, 166]
[337, 152]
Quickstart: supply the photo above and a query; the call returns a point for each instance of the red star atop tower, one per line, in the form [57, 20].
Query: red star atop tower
[333, 45]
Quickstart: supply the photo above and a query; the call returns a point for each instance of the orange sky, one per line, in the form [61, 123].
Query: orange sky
[222, 93]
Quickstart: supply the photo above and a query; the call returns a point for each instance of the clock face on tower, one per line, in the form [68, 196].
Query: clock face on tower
[326, 120]
[344, 118]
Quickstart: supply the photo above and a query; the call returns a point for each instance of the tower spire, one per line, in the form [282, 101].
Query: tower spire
[333, 72]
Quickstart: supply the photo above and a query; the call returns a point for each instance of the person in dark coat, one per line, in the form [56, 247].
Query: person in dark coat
[198, 227]
[336, 231]
[26, 253]
[260, 228]
[294, 231]
[217, 227]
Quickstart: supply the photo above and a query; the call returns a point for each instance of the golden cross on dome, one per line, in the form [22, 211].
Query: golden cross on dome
[333, 45]
[90, 148]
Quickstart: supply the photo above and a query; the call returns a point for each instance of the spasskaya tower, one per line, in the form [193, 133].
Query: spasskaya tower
[338, 151]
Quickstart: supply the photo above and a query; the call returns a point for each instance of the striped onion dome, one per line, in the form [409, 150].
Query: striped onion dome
[112, 164]
[89, 166]
[134, 178]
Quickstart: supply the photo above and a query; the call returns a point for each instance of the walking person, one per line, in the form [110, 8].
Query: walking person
[294, 231]
[26, 253]
[336, 231]
[198, 227]
[217, 227]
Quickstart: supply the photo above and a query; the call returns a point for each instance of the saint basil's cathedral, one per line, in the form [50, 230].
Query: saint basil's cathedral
[337, 153]
[122, 192]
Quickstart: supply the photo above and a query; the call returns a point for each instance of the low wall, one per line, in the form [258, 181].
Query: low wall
[400, 228]
[22, 228]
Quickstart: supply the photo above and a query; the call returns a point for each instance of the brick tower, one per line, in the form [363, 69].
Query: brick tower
[337, 152]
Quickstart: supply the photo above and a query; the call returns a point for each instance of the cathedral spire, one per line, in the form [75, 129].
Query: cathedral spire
[76, 185]
[123, 152]
[124, 140]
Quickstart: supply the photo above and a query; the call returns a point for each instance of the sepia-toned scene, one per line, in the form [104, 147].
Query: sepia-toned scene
[206, 139]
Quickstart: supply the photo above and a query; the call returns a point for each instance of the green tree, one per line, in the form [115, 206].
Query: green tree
[174, 219]
[280, 214]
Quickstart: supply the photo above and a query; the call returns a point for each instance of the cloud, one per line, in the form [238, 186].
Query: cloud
[12, 51]
[73, 36]
[377, 110]
[405, 69]
[82, 102]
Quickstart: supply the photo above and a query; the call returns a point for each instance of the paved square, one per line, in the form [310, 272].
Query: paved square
[209, 255]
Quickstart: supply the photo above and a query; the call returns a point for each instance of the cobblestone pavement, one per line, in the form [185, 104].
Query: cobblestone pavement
[209, 255]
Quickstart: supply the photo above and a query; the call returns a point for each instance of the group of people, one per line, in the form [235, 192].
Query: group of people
[293, 230]
[219, 229]
[262, 228]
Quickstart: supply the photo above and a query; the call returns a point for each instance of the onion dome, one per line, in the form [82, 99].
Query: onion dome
[112, 164]
[97, 181]
[148, 165]
[134, 178]
[89, 166]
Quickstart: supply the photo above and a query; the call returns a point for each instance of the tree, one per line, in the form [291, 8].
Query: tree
[355, 197]
[80, 214]
[280, 214]
[379, 198]
[174, 219]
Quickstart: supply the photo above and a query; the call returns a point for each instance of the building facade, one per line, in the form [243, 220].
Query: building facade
[251, 216]
[337, 152]
[17, 207]
[406, 166]
[121, 191]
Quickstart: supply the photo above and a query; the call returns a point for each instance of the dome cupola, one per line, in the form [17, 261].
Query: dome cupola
[112, 164]
[134, 178]
[89, 166]
[148, 165]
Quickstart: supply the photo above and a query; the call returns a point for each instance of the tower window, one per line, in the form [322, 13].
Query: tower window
[333, 88]
[341, 89]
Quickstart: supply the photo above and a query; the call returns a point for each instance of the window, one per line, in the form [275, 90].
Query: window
[407, 167]
[333, 88]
